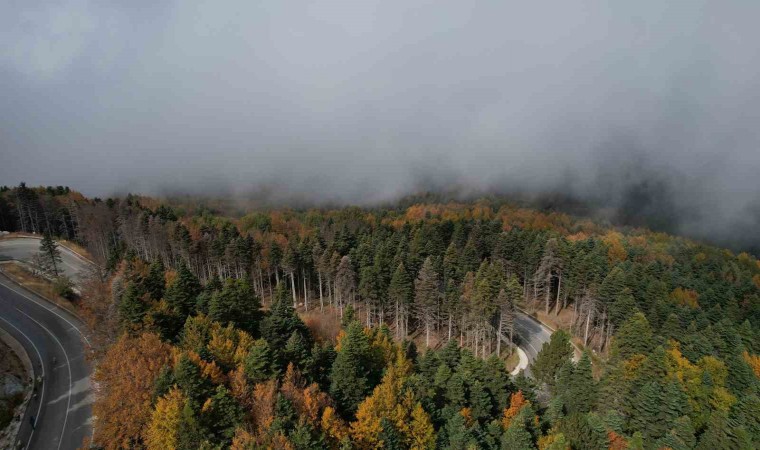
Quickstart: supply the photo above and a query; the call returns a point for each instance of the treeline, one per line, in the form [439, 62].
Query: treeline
[667, 317]
[204, 366]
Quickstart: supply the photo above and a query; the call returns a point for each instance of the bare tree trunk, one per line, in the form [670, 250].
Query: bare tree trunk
[293, 286]
[321, 299]
[305, 293]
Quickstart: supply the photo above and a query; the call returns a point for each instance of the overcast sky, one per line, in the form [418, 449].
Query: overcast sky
[359, 101]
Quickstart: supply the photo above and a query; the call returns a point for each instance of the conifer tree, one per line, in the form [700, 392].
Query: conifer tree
[400, 294]
[183, 292]
[634, 337]
[351, 370]
[552, 356]
[426, 296]
[517, 437]
[258, 365]
[281, 323]
[155, 281]
[236, 304]
[50, 255]
[132, 307]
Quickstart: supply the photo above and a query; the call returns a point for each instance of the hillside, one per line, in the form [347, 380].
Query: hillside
[203, 342]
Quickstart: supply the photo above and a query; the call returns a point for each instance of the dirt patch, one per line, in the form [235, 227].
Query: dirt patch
[512, 361]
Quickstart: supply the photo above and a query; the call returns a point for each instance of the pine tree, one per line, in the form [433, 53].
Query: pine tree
[389, 437]
[634, 337]
[258, 364]
[552, 356]
[296, 350]
[680, 437]
[581, 393]
[155, 281]
[281, 323]
[400, 294]
[50, 255]
[351, 370]
[236, 304]
[457, 434]
[426, 296]
[188, 378]
[717, 434]
[183, 292]
[517, 437]
[132, 307]
[220, 415]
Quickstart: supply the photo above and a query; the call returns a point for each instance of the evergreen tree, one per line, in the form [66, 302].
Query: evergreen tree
[634, 337]
[280, 325]
[155, 281]
[132, 307]
[188, 377]
[552, 356]
[426, 296]
[581, 393]
[389, 437]
[236, 304]
[50, 255]
[350, 373]
[182, 293]
[259, 363]
[517, 437]
[400, 294]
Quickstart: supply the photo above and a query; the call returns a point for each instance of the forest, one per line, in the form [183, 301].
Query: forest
[390, 326]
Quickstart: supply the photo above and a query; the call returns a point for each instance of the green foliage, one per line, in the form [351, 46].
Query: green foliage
[132, 307]
[552, 356]
[351, 372]
[236, 304]
[182, 294]
[634, 337]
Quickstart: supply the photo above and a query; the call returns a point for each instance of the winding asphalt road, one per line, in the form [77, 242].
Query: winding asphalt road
[531, 336]
[57, 345]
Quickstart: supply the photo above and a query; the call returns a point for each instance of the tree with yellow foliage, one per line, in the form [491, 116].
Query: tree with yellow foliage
[163, 431]
[421, 430]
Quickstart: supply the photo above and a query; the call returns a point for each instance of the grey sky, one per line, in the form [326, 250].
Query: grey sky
[362, 101]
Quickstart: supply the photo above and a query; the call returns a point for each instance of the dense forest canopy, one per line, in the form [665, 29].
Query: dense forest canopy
[222, 320]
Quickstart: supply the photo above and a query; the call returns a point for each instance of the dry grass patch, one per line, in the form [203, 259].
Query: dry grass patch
[324, 326]
[35, 283]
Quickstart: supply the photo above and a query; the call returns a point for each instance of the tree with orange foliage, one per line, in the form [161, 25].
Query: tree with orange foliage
[125, 378]
[516, 403]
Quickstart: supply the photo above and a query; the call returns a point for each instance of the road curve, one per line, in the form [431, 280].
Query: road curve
[57, 345]
[531, 336]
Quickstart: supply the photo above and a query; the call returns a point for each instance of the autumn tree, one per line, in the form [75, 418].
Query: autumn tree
[125, 378]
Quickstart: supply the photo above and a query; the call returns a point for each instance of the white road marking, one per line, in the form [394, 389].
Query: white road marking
[65, 354]
[52, 310]
[42, 390]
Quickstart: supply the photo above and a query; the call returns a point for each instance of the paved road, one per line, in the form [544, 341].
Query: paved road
[531, 336]
[24, 249]
[56, 345]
